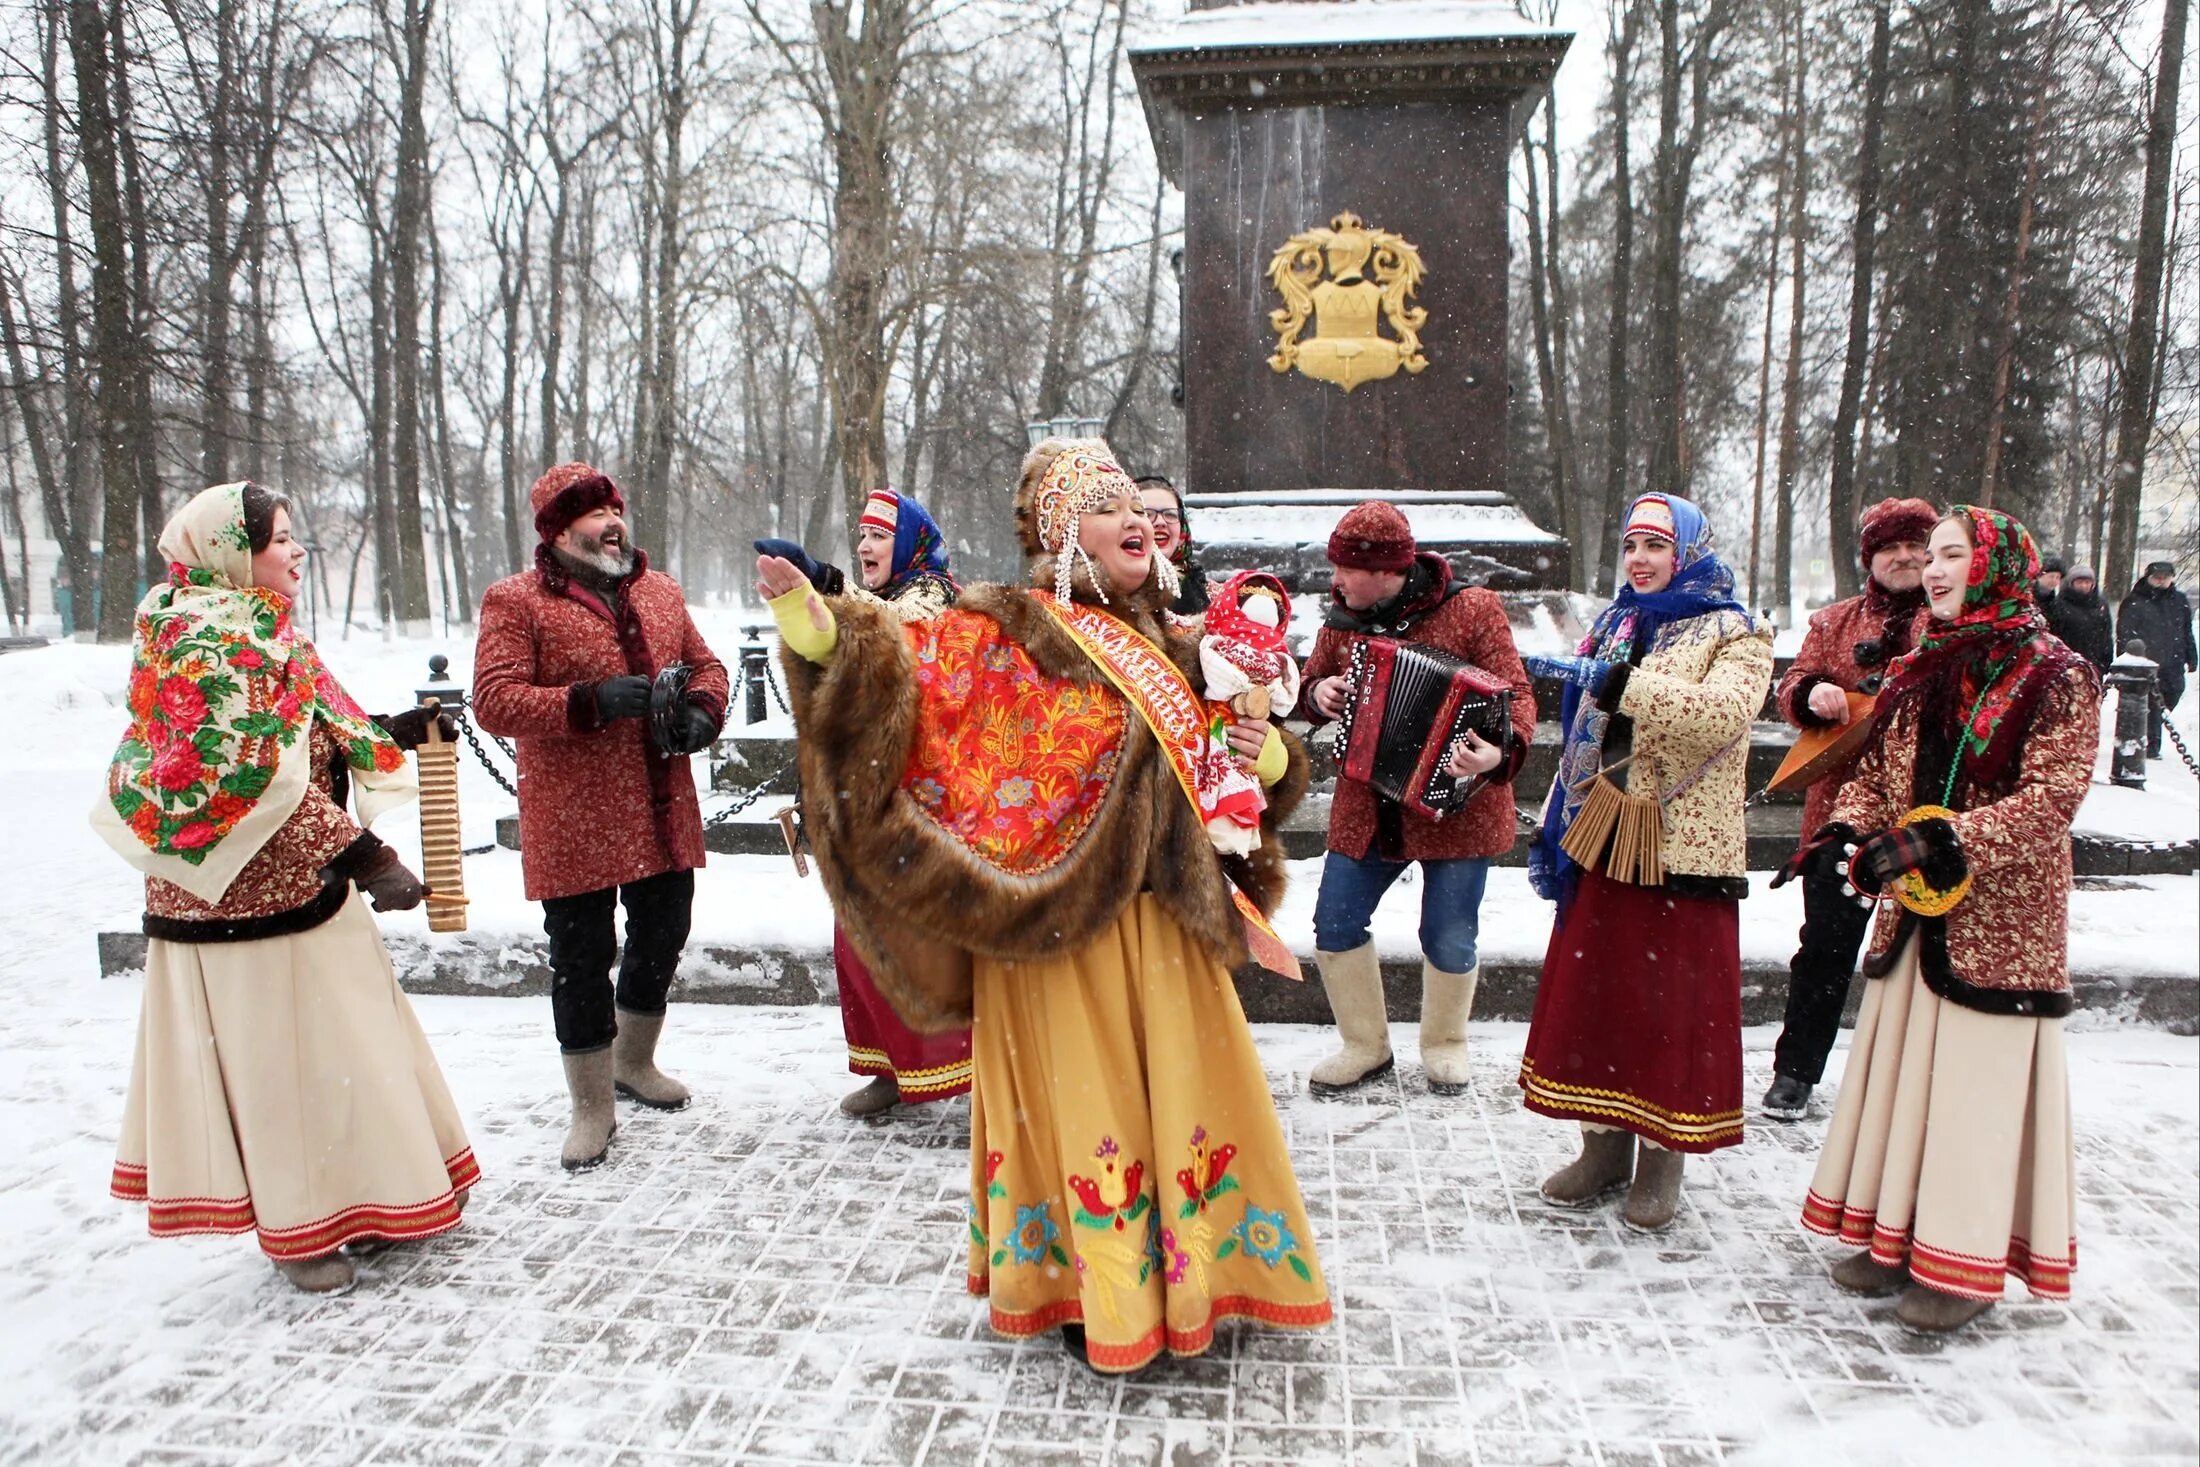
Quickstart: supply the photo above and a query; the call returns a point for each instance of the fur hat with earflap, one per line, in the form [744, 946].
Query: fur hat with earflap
[1063, 480]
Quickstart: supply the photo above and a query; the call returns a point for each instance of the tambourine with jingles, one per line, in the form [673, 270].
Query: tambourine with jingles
[1911, 888]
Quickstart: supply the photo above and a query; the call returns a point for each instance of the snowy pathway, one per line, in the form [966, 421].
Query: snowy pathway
[761, 1279]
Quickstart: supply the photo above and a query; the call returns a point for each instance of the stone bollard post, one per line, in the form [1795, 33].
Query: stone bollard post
[754, 670]
[2131, 675]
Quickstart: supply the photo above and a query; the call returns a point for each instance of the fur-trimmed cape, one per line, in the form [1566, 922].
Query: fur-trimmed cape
[917, 903]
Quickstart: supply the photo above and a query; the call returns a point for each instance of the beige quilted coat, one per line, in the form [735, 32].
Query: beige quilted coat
[1693, 698]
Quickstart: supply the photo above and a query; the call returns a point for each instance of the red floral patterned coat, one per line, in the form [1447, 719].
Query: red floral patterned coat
[1470, 624]
[1828, 655]
[598, 805]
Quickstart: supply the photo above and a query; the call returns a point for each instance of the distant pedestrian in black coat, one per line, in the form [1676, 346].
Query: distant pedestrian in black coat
[2079, 616]
[2158, 614]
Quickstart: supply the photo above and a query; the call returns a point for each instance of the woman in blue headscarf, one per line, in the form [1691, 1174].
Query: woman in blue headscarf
[1637, 1028]
[901, 561]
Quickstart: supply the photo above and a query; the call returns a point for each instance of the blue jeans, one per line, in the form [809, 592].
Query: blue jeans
[1451, 905]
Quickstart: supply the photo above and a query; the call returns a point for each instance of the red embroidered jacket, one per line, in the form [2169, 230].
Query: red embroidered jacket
[599, 806]
[1467, 623]
[1828, 655]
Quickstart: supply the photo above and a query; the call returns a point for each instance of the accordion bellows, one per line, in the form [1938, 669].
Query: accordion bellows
[1408, 707]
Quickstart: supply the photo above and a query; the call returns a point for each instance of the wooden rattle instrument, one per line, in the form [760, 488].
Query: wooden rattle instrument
[442, 863]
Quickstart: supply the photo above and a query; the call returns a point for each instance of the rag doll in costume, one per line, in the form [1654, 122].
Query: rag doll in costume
[1248, 668]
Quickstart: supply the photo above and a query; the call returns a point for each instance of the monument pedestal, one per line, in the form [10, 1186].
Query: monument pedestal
[1344, 167]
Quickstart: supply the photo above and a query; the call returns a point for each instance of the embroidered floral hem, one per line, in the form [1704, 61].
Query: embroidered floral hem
[1180, 1343]
[1950, 1145]
[177, 1217]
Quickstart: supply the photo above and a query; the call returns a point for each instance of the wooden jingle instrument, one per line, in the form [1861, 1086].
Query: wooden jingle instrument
[1819, 752]
[442, 864]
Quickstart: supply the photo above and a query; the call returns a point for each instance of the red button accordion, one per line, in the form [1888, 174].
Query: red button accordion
[1406, 708]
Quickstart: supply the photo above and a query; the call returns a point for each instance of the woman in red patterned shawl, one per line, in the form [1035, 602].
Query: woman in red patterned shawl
[1949, 1155]
[1016, 841]
[282, 1085]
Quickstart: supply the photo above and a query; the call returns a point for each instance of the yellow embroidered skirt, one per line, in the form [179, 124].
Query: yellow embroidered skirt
[1127, 1169]
[283, 1087]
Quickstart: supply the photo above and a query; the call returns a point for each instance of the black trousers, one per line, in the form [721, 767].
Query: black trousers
[583, 942]
[2168, 695]
[1818, 978]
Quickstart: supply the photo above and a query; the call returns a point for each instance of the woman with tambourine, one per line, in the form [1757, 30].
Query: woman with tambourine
[1637, 1031]
[1949, 1155]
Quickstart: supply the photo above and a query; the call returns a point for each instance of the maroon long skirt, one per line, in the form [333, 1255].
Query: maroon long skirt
[1638, 1018]
[925, 1066]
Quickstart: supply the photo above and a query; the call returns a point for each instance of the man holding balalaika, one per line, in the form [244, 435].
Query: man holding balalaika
[1440, 714]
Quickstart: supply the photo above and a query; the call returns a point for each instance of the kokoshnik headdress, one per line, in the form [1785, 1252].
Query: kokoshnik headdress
[1084, 477]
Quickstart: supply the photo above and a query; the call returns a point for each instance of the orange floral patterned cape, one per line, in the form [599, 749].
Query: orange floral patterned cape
[1014, 763]
[1180, 721]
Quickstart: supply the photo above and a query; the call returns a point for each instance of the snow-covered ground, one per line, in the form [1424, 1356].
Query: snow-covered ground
[60, 716]
[760, 1278]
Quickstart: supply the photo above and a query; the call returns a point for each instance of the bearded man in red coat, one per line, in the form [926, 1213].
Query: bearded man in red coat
[565, 666]
[1846, 650]
[1384, 585]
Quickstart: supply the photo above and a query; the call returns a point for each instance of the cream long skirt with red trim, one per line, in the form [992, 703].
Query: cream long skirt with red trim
[1127, 1166]
[284, 1087]
[1950, 1145]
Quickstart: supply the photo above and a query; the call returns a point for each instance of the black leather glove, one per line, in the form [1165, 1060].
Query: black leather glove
[389, 886]
[622, 697]
[826, 579]
[698, 729]
[409, 730]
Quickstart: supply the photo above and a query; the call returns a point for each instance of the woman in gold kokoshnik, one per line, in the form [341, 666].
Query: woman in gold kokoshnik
[1015, 840]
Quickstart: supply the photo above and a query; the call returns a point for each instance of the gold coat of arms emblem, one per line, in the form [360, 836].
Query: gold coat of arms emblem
[1348, 279]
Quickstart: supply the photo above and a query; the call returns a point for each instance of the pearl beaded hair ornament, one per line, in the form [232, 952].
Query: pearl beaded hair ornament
[1083, 479]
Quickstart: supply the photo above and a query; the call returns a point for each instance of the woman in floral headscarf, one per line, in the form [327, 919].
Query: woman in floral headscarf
[282, 1085]
[1016, 840]
[1949, 1155]
[1637, 1031]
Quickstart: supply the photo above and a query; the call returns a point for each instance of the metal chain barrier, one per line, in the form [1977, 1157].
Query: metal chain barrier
[740, 802]
[2178, 740]
[473, 741]
[771, 680]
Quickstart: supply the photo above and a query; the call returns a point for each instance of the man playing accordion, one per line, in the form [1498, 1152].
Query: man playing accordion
[1382, 586]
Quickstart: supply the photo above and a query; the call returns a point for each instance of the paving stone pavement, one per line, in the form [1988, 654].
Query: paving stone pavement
[761, 1279]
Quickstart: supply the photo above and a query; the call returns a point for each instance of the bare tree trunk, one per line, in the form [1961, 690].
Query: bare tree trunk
[407, 218]
[563, 163]
[18, 607]
[1764, 358]
[217, 431]
[137, 227]
[1616, 433]
[1844, 494]
[453, 533]
[2005, 328]
[2133, 430]
[1546, 368]
[1791, 397]
[584, 346]
[657, 415]
[115, 403]
[378, 441]
[63, 520]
